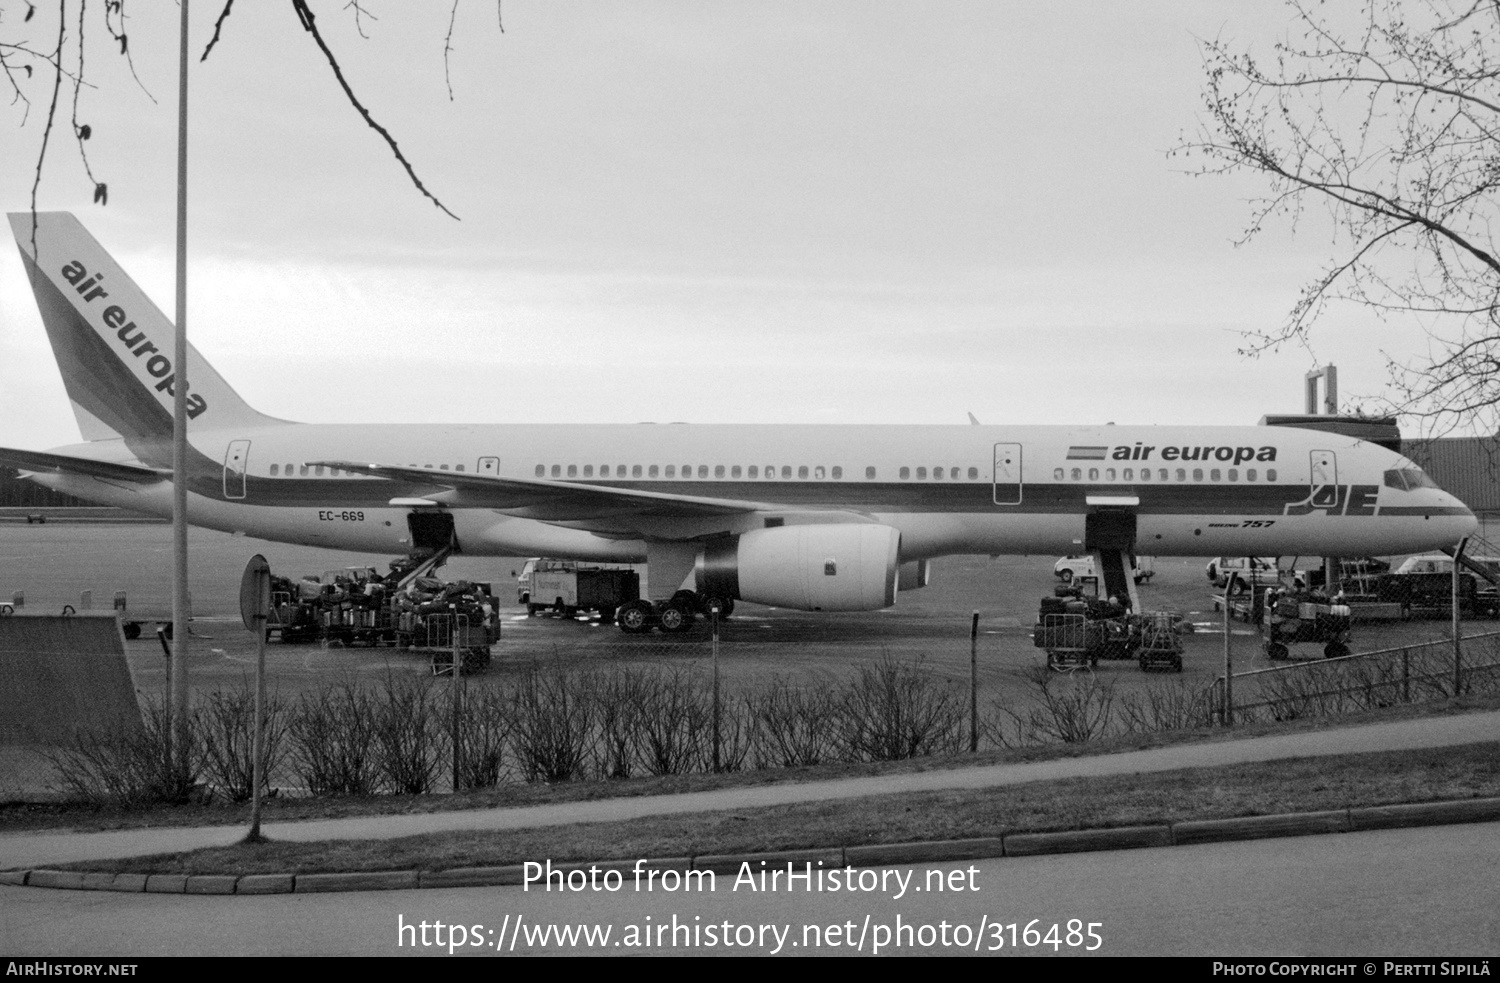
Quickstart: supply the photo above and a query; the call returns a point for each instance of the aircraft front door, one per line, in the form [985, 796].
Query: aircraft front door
[489, 466]
[1007, 474]
[236, 460]
[1324, 479]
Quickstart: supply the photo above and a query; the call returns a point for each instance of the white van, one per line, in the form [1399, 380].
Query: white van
[1083, 566]
[1442, 563]
[1247, 570]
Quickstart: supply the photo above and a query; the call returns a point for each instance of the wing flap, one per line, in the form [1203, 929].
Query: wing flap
[546, 500]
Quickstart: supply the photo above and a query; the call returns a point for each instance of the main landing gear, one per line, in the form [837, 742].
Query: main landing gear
[673, 616]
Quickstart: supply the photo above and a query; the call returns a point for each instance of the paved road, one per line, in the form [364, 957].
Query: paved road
[1432, 891]
[40, 849]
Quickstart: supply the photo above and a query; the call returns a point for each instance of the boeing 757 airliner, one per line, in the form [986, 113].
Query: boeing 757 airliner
[807, 517]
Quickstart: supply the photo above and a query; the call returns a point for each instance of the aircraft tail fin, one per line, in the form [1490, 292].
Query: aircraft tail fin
[113, 345]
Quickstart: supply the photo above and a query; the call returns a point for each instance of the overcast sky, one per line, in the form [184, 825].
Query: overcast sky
[833, 212]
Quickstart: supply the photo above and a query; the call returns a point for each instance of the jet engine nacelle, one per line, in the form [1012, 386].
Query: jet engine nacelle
[842, 567]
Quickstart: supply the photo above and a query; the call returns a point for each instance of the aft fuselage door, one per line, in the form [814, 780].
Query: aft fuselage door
[489, 465]
[236, 460]
[1324, 478]
[1007, 474]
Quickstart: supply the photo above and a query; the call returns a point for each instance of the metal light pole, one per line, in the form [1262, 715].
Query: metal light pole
[179, 427]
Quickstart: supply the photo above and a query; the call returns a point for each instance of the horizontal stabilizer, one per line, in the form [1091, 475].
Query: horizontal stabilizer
[41, 461]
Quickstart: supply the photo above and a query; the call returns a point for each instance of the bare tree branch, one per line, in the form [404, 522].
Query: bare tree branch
[309, 24]
[218, 26]
[1389, 119]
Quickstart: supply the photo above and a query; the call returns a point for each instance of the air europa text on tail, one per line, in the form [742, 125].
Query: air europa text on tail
[134, 339]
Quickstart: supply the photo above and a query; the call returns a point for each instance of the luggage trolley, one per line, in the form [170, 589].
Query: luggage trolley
[1161, 646]
[1293, 618]
[1071, 641]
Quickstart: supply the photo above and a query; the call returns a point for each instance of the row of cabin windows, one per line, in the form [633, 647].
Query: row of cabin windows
[318, 470]
[771, 472]
[1162, 474]
[819, 472]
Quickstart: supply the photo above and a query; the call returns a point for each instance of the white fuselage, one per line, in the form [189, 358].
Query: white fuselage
[1204, 491]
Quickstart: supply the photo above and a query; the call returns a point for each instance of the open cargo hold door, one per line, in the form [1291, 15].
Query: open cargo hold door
[432, 529]
[1109, 534]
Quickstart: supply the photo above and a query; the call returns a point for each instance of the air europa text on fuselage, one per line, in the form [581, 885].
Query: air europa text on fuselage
[158, 365]
[1173, 452]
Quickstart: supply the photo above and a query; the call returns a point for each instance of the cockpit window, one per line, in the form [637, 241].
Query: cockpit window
[1408, 479]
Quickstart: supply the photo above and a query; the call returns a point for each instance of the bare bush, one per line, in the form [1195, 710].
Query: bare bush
[127, 767]
[554, 714]
[484, 728]
[793, 725]
[675, 722]
[894, 710]
[1071, 708]
[620, 695]
[225, 728]
[332, 736]
[1174, 705]
[411, 734]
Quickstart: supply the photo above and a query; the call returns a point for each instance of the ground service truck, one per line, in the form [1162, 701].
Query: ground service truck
[568, 587]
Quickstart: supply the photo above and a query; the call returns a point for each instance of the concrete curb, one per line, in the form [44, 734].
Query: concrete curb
[870, 855]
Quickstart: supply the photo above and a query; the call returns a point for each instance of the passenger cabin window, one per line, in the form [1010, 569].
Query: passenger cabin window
[973, 474]
[921, 474]
[541, 470]
[905, 473]
[869, 474]
[274, 469]
[786, 471]
[653, 471]
[1270, 474]
[302, 470]
[588, 470]
[671, 471]
[802, 472]
[754, 471]
[837, 472]
[1057, 474]
[557, 471]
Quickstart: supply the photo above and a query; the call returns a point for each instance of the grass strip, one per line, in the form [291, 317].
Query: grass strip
[1262, 788]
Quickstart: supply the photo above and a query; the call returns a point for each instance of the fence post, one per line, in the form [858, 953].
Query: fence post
[454, 634]
[974, 685]
[1228, 716]
[1406, 675]
[714, 613]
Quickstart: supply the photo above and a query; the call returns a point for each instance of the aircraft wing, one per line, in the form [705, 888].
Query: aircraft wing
[554, 501]
[42, 461]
